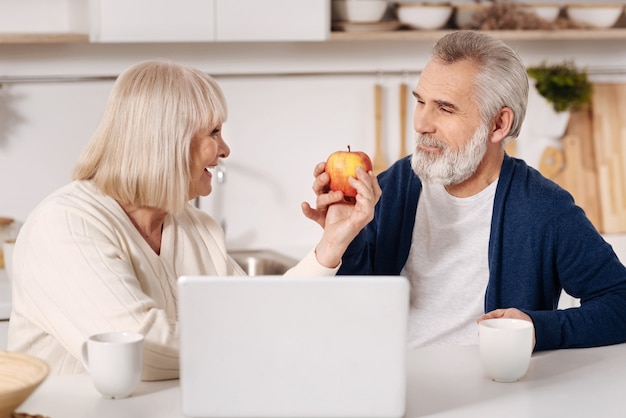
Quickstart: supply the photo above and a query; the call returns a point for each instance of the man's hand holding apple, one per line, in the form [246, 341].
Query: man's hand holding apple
[346, 210]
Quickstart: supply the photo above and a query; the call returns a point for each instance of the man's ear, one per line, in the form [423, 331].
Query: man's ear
[502, 125]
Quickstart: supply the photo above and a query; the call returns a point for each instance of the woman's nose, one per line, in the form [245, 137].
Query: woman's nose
[224, 149]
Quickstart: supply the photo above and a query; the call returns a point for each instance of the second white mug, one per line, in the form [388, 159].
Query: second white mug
[115, 362]
[506, 346]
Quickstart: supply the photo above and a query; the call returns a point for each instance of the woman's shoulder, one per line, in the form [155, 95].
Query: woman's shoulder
[193, 216]
[77, 195]
[78, 200]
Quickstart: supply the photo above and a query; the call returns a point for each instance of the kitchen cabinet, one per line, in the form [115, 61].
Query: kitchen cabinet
[151, 20]
[208, 20]
[43, 21]
[272, 20]
[164, 21]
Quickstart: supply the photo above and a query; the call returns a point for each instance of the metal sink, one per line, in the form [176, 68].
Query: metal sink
[262, 262]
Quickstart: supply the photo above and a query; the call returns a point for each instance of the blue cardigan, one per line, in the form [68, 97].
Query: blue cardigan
[540, 243]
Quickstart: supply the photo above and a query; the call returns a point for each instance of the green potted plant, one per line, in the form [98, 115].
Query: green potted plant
[564, 86]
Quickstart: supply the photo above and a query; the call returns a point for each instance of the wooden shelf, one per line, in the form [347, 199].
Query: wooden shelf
[338, 36]
[43, 38]
[507, 35]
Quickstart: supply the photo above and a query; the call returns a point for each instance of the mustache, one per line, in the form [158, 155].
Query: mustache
[429, 141]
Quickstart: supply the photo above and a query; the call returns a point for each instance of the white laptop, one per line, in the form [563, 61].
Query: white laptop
[272, 346]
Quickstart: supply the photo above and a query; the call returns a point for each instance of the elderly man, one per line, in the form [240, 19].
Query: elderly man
[480, 234]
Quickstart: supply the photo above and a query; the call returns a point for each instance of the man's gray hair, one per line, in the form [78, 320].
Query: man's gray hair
[501, 80]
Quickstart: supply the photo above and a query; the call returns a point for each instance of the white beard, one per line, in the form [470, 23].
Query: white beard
[453, 166]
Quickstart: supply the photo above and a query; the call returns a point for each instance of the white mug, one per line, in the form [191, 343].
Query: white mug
[506, 345]
[115, 362]
[7, 249]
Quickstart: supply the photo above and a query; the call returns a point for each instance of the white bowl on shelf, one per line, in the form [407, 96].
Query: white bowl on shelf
[598, 16]
[547, 12]
[359, 10]
[424, 16]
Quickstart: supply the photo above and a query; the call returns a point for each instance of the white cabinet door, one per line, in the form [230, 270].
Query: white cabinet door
[152, 20]
[272, 20]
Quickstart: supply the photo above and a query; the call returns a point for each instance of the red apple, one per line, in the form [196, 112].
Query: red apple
[341, 165]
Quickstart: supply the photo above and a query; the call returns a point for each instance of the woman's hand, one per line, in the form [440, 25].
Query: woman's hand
[341, 220]
[325, 197]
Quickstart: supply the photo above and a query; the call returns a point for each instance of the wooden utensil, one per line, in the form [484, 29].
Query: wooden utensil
[609, 134]
[581, 174]
[551, 162]
[574, 166]
[403, 93]
[379, 162]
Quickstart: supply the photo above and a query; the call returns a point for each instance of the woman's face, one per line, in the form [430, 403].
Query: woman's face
[206, 149]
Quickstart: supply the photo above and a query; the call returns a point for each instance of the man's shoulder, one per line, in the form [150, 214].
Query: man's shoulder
[399, 172]
[529, 187]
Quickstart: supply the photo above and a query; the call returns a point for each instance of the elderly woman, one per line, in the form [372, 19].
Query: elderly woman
[104, 252]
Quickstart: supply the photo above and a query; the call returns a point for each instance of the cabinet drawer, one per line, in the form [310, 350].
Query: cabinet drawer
[151, 20]
[272, 20]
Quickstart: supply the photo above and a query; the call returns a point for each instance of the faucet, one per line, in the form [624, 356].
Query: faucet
[218, 195]
[221, 172]
[220, 175]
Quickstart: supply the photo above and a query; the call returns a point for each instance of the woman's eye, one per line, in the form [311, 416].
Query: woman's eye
[215, 131]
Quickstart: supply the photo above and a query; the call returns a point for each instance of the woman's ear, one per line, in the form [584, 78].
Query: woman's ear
[502, 125]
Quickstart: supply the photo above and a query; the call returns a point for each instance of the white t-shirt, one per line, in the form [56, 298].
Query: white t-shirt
[447, 266]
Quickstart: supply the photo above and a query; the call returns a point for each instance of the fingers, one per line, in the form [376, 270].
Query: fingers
[367, 186]
[508, 313]
[326, 199]
[318, 216]
[322, 182]
[319, 169]
[323, 201]
[505, 313]
[498, 313]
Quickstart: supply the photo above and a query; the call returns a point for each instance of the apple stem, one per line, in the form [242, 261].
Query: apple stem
[348, 148]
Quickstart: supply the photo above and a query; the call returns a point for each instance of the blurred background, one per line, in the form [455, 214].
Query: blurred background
[298, 88]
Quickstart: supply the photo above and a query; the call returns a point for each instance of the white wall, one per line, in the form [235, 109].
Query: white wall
[278, 127]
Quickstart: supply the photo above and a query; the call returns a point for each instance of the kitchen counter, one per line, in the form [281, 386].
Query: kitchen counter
[441, 381]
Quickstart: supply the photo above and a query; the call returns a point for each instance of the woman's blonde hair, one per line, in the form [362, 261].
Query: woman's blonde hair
[139, 154]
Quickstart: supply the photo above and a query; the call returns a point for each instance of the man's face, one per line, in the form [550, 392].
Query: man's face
[451, 139]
